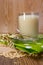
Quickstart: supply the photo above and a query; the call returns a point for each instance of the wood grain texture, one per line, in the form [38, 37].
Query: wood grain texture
[10, 9]
[21, 61]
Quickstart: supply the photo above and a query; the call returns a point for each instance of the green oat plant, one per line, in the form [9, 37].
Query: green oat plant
[33, 46]
[29, 46]
[3, 42]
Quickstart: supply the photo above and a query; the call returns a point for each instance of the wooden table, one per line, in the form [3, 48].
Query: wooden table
[21, 61]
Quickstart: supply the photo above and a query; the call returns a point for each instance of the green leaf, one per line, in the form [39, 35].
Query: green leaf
[25, 49]
[3, 42]
[17, 41]
[36, 46]
[40, 40]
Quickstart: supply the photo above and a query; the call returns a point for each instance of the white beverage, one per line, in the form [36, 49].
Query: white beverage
[28, 25]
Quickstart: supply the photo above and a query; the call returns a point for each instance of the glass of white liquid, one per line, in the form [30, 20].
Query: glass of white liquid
[28, 24]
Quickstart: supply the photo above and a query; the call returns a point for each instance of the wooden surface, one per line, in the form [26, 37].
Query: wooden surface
[10, 9]
[21, 61]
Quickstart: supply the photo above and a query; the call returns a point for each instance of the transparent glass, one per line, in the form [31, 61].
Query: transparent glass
[28, 24]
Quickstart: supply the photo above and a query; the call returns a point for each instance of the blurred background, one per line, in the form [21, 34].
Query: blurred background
[10, 9]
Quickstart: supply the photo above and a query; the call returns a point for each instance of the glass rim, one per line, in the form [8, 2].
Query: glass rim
[29, 13]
